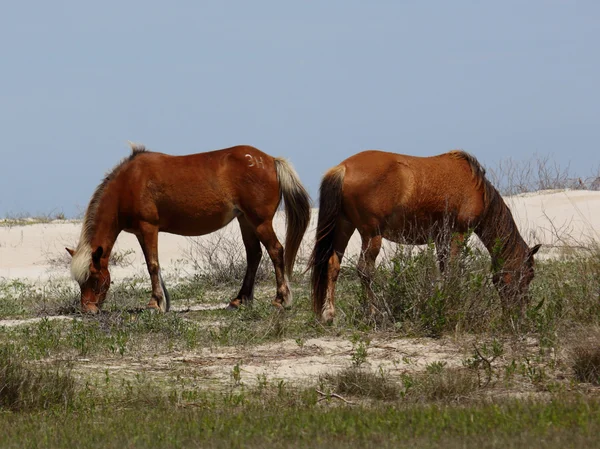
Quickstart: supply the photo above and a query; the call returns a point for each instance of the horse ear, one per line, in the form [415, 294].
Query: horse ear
[70, 251]
[534, 250]
[96, 255]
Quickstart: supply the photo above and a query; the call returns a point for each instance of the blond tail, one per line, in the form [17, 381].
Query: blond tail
[297, 210]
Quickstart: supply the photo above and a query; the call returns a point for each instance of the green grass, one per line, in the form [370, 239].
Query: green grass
[283, 418]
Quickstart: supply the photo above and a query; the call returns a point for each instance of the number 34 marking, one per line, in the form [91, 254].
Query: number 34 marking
[254, 161]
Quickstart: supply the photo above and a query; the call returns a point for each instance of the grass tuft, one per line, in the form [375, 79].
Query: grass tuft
[360, 382]
[586, 363]
[24, 388]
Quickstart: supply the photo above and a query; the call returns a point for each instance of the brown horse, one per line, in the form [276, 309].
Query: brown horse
[191, 195]
[413, 200]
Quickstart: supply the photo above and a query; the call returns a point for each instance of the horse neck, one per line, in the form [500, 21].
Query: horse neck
[499, 234]
[105, 224]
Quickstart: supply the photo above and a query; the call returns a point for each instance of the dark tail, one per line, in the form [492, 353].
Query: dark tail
[330, 206]
[297, 210]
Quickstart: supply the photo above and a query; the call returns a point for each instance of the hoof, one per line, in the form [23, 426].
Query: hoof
[153, 305]
[90, 309]
[234, 304]
[327, 316]
[278, 304]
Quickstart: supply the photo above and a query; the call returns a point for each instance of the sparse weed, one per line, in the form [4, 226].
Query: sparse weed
[220, 259]
[360, 344]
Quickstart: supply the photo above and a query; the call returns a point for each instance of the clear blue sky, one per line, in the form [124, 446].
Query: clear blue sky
[315, 81]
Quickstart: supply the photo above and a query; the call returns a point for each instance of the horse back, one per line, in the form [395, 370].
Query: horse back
[198, 193]
[394, 188]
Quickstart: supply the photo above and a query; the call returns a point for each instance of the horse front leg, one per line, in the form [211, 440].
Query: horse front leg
[148, 238]
[253, 257]
[448, 249]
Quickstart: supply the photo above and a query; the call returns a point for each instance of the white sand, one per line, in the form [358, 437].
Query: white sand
[36, 252]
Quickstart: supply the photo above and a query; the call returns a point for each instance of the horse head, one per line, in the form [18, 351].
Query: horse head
[513, 280]
[93, 278]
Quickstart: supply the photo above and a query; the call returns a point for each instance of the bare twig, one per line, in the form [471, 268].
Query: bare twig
[488, 363]
[333, 395]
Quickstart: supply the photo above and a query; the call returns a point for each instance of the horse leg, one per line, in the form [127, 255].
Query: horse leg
[253, 256]
[366, 269]
[148, 238]
[344, 231]
[442, 249]
[267, 237]
[458, 241]
[448, 249]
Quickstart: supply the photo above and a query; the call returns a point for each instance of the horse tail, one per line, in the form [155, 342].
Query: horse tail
[297, 209]
[330, 207]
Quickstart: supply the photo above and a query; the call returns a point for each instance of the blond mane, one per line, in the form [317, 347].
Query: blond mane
[80, 264]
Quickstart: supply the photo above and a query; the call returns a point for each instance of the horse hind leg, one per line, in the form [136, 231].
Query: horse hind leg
[253, 257]
[265, 233]
[343, 231]
[148, 238]
[366, 269]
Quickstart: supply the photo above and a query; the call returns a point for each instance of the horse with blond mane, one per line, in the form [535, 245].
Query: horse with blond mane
[192, 195]
[408, 199]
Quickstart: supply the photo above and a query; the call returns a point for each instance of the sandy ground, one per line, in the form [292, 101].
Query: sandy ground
[36, 252]
[286, 360]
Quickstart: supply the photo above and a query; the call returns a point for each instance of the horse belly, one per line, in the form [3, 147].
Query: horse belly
[408, 228]
[196, 222]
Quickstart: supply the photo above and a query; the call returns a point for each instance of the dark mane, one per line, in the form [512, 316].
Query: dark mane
[477, 170]
[496, 228]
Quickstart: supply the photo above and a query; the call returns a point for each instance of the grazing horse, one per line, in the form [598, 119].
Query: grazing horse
[413, 200]
[191, 195]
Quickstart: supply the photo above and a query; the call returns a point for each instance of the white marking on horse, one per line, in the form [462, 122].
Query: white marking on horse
[254, 161]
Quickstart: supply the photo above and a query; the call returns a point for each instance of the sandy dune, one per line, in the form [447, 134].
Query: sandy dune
[36, 251]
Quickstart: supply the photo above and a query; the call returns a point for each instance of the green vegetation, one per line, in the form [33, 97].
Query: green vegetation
[131, 377]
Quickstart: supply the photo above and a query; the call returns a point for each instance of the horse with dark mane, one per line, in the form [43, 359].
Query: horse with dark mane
[191, 195]
[414, 200]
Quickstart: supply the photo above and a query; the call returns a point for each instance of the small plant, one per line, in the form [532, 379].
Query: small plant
[534, 372]
[261, 382]
[236, 375]
[483, 358]
[435, 367]
[360, 346]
